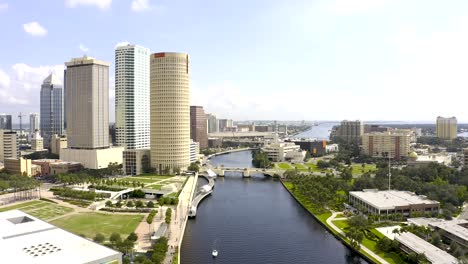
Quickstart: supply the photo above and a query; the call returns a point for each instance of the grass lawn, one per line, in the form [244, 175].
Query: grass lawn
[154, 187]
[41, 209]
[89, 224]
[358, 169]
[284, 166]
[300, 167]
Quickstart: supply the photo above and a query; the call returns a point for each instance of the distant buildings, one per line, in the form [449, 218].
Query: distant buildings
[224, 124]
[51, 100]
[391, 202]
[132, 97]
[37, 142]
[20, 166]
[415, 160]
[314, 147]
[33, 123]
[350, 131]
[213, 124]
[26, 239]
[8, 145]
[87, 103]
[198, 123]
[5, 122]
[281, 151]
[394, 144]
[194, 151]
[446, 128]
[57, 143]
[170, 111]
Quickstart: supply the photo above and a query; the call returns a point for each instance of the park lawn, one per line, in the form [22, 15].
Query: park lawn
[154, 187]
[89, 224]
[19, 206]
[300, 167]
[341, 224]
[152, 176]
[284, 166]
[314, 168]
[358, 169]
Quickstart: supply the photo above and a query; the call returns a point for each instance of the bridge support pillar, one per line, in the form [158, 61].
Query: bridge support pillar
[246, 174]
[221, 173]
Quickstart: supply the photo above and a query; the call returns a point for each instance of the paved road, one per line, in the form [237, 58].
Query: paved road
[368, 251]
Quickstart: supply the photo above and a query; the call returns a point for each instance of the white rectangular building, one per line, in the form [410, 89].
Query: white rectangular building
[410, 243]
[93, 158]
[391, 202]
[132, 97]
[26, 239]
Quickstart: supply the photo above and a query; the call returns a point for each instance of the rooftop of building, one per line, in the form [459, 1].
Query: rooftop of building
[52, 79]
[390, 199]
[454, 227]
[85, 60]
[420, 246]
[26, 239]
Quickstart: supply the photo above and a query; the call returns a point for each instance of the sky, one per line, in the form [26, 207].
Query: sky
[258, 59]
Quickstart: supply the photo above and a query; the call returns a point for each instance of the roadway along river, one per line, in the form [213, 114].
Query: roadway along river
[256, 221]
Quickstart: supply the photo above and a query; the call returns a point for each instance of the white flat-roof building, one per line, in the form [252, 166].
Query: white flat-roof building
[454, 230]
[410, 243]
[391, 202]
[93, 158]
[26, 239]
[278, 151]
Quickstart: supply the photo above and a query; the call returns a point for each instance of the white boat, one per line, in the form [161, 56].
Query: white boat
[214, 253]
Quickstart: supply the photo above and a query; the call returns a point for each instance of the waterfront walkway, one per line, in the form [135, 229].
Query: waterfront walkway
[203, 192]
[368, 251]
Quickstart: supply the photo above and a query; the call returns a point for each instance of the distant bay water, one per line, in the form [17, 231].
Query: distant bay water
[319, 132]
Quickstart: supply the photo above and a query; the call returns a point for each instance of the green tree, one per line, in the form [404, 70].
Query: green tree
[99, 238]
[109, 203]
[115, 238]
[150, 204]
[130, 204]
[194, 167]
[132, 237]
[139, 204]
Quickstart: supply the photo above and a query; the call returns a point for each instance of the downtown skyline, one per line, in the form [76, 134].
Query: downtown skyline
[375, 60]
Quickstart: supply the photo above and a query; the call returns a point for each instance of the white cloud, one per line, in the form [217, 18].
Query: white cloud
[101, 4]
[140, 5]
[83, 48]
[120, 44]
[35, 29]
[3, 6]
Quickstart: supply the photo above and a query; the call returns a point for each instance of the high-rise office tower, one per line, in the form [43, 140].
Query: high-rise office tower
[8, 145]
[5, 122]
[350, 131]
[170, 111]
[213, 124]
[87, 103]
[446, 128]
[132, 97]
[198, 130]
[51, 108]
[33, 122]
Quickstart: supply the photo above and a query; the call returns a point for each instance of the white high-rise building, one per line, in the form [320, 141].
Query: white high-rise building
[132, 97]
[33, 122]
[170, 111]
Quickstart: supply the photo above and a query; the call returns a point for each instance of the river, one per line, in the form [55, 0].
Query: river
[255, 220]
[320, 132]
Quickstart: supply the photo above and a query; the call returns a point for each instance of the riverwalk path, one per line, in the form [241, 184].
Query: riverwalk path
[337, 229]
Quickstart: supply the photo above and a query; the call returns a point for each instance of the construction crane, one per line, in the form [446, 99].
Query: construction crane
[20, 116]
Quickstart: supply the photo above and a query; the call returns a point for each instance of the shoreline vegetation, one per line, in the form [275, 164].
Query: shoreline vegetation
[321, 215]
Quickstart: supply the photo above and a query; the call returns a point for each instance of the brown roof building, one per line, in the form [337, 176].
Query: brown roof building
[198, 126]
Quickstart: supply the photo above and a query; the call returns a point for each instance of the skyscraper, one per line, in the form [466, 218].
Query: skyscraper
[350, 131]
[33, 122]
[51, 108]
[446, 128]
[198, 130]
[5, 121]
[8, 145]
[87, 103]
[132, 97]
[213, 124]
[170, 111]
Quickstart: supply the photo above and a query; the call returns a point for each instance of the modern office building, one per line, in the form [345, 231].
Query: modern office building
[198, 123]
[446, 128]
[391, 202]
[170, 111]
[5, 122]
[455, 230]
[27, 239]
[8, 145]
[350, 131]
[136, 161]
[132, 97]
[394, 144]
[18, 166]
[33, 123]
[314, 147]
[51, 115]
[213, 124]
[412, 244]
[87, 103]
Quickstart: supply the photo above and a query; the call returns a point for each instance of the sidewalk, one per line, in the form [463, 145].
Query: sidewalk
[368, 251]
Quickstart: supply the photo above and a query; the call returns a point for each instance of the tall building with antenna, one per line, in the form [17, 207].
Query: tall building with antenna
[51, 115]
